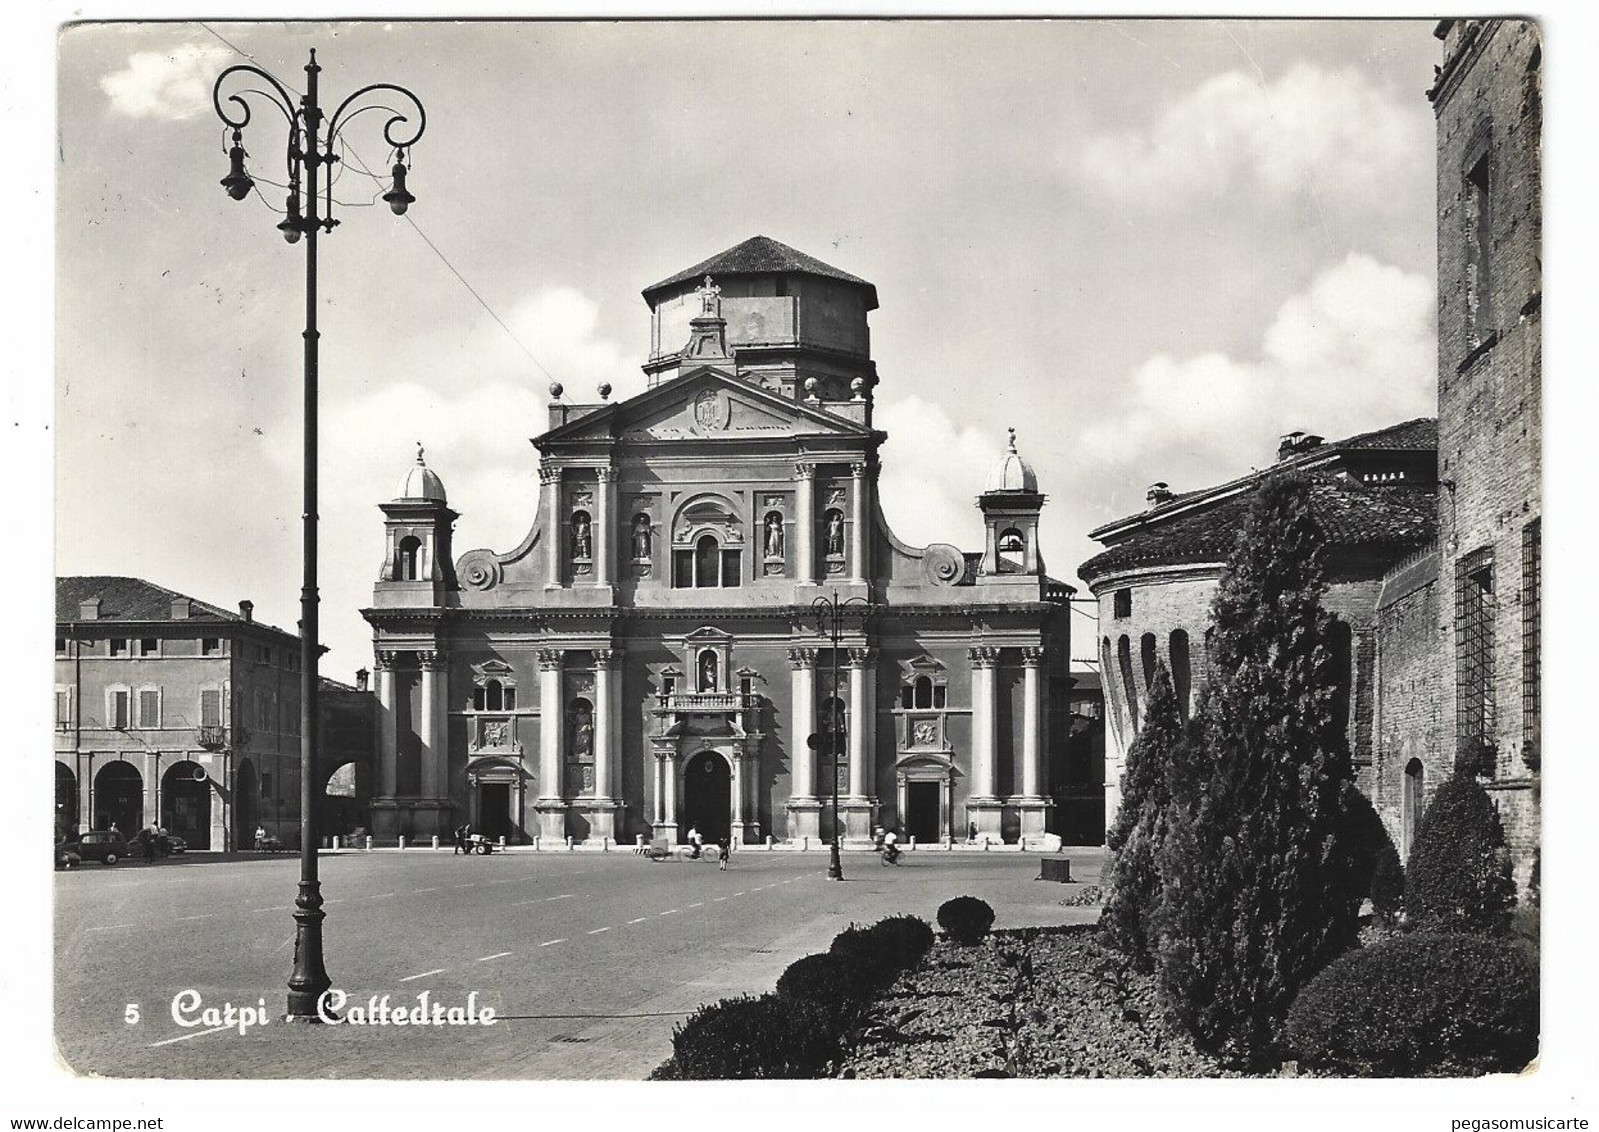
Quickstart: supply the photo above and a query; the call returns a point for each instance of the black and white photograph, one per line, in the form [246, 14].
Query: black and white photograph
[837, 549]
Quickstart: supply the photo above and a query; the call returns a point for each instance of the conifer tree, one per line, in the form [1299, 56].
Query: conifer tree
[1458, 878]
[1261, 878]
[1128, 919]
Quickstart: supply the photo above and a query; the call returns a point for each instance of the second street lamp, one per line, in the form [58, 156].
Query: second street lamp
[311, 146]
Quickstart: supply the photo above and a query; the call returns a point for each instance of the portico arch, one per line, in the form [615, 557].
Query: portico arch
[708, 795]
[119, 798]
[186, 803]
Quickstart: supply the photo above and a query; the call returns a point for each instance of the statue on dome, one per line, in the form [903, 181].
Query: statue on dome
[710, 299]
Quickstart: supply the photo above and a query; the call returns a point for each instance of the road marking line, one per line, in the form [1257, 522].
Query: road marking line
[325, 903]
[668, 912]
[697, 904]
[471, 885]
[551, 942]
[108, 928]
[716, 898]
[419, 891]
[496, 955]
[201, 916]
[382, 896]
[738, 894]
[186, 1037]
[640, 920]
[563, 896]
[597, 931]
[424, 974]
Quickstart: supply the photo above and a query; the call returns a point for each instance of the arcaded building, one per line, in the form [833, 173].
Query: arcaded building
[1374, 496]
[648, 659]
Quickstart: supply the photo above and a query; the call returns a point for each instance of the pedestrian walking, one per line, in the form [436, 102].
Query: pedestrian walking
[722, 853]
[696, 843]
[459, 837]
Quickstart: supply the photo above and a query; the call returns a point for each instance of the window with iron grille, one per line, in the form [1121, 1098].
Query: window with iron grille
[1531, 624]
[1474, 651]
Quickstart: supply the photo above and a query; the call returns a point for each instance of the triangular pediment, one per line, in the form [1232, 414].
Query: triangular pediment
[708, 404]
[706, 634]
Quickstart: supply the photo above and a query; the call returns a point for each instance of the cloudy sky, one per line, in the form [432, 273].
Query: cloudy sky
[1152, 247]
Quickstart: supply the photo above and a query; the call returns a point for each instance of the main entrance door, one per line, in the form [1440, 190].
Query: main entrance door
[494, 810]
[707, 796]
[186, 804]
[921, 811]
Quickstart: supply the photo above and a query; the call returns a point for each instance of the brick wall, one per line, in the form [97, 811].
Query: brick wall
[1489, 365]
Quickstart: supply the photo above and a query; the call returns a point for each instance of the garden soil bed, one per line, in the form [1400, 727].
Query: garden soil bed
[1079, 1013]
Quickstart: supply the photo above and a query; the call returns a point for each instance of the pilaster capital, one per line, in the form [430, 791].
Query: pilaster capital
[983, 656]
[1033, 656]
[857, 470]
[801, 659]
[861, 658]
[433, 660]
[804, 471]
[550, 660]
[607, 658]
[384, 660]
[605, 473]
[549, 473]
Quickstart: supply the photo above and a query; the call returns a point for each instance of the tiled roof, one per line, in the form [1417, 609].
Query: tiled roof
[1351, 513]
[1421, 434]
[759, 255]
[134, 599]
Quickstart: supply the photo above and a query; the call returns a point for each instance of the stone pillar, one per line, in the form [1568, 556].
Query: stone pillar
[983, 804]
[427, 724]
[859, 811]
[602, 806]
[805, 524]
[740, 766]
[604, 527]
[550, 505]
[804, 808]
[388, 737]
[858, 524]
[551, 804]
[1033, 804]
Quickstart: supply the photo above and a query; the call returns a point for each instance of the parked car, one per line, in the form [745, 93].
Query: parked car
[67, 855]
[104, 845]
[175, 844]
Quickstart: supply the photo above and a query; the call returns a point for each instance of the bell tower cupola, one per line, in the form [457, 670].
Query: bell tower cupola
[1011, 504]
[418, 566]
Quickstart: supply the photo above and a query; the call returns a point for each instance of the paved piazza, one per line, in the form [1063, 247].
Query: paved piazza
[589, 959]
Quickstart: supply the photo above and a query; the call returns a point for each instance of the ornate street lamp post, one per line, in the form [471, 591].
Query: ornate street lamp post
[829, 613]
[310, 148]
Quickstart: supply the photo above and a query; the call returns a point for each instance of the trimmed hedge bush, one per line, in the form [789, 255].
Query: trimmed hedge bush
[965, 919]
[859, 946]
[1421, 1004]
[772, 1036]
[1387, 884]
[1458, 876]
[839, 984]
[904, 940]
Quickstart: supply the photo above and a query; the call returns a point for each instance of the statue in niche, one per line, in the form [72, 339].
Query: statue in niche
[582, 731]
[835, 533]
[581, 542]
[641, 537]
[774, 535]
[707, 671]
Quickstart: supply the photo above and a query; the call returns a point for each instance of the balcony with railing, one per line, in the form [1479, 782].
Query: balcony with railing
[703, 702]
[212, 738]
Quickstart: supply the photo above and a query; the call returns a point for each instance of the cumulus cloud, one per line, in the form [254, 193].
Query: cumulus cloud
[1331, 132]
[933, 471]
[1355, 351]
[165, 84]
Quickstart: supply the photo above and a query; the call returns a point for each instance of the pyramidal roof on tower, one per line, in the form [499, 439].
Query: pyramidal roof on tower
[760, 255]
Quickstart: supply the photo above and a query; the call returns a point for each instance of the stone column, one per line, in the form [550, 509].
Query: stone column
[604, 524]
[388, 738]
[602, 818]
[805, 524]
[804, 807]
[857, 524]
[551, 804]
[736, 833]
[983, 804]
[858, 812]
[1033, 805]
[427, 724]
[550, 505]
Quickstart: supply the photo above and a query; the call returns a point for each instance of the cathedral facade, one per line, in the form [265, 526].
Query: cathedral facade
[651, 658]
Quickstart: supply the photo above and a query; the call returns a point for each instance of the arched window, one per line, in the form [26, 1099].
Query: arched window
[924, 692]
[1124, 662]
[1146, 655]
[494, 694]
[1414, 802]
[410, 551]
[1012, 551]
[707, 562]
[1182, 678]
[1343, 660]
